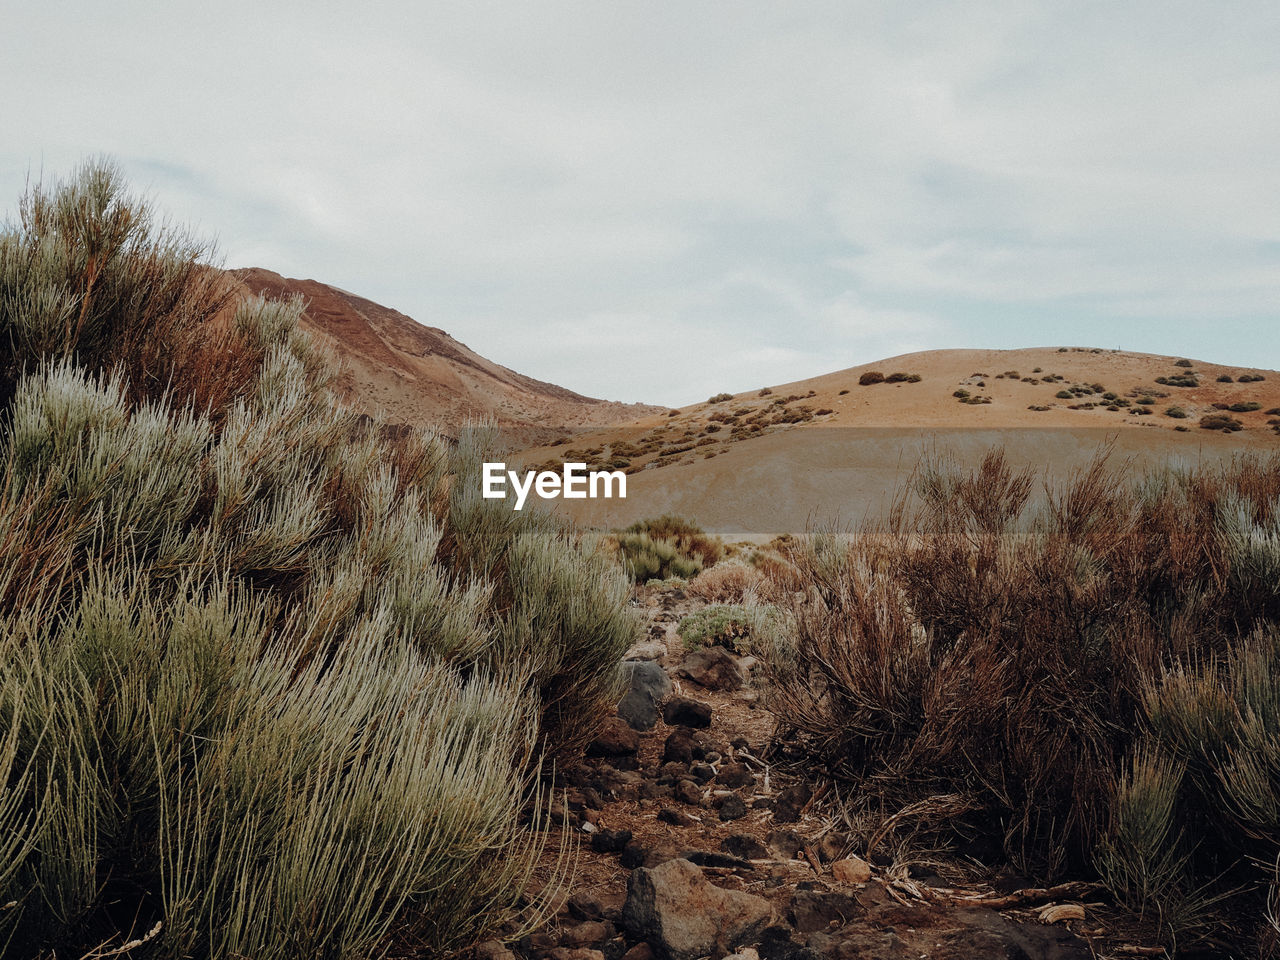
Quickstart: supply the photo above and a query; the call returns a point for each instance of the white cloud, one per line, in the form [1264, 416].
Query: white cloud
[753, 183]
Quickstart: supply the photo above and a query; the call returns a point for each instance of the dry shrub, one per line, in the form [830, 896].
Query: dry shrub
[1000, 648]
[727, 583]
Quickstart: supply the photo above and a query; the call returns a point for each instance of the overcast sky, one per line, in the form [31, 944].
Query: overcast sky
[661, 200]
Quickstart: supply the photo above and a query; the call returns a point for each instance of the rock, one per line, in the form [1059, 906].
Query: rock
[647, 650]
[586, 934]
[676, 817]
[648, 686]
[679, 747]
[714, 668]
[702, 772]
[776, 944]
[748, 953]
[851, 870]
[683, 712]
[583, 906]
[610, 841]
[735, 775]
[733, 808]
[641, 951]
[812, 910]
[574, 953]
[831, 847]
[785, 844]
[616, 739]
[744, 845]
[492, 950]
[683, 917]
[791, 802]
[686, 791]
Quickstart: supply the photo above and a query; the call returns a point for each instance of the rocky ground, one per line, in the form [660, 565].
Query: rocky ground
[693, 846]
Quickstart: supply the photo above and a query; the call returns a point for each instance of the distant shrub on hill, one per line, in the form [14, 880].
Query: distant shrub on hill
[1226, 378]
[1177, 413]
[1220, 421]
[903, 378]
[720, 398]
[1182, 363]
[871, 377]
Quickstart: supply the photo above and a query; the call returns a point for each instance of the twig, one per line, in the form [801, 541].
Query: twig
[1019, 898]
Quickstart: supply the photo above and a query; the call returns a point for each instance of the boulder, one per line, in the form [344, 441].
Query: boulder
[714, 668]
[616, 739]
[851, 870]
[683, 712]
[683, 917]
[648, 685]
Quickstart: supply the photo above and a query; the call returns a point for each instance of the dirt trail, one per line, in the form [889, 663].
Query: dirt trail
[708, 795]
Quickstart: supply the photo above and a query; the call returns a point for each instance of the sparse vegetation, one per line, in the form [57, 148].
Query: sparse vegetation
[1177, 413]
[720, 398]
[871, 377]
[1182, 363]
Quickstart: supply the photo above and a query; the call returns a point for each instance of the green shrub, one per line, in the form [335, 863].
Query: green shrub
[903, 378]
[720, 398]
[1065, 395]
[738, 627]
[689, 538]
[1245, 407]
[271, 675]
[961, 394]
[1182, 363]
[1177, 413]
[650, 558]
[871, 377]
[1226, 378]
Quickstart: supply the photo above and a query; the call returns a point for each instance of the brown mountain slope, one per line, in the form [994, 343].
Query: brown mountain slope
[773, 460]
[395, 368]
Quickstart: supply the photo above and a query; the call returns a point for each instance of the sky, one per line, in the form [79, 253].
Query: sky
[661, 200]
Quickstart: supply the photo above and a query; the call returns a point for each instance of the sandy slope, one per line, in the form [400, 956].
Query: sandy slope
[400, 370]
[846, 464]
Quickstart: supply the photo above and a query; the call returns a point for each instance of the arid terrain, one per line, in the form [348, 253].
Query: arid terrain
[778, 459]
[397, 369]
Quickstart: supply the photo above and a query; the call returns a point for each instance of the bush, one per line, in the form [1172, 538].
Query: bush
[1246, 407]
[720, 398]
[1250, 378]
[738, 627]
[903, 378]
[764, 392]
[871, 377]
[986, 671]
[272, 675]
[961, 394]
[843, 392]
[1177, 413]
[1182, 363]
[1220, 421]
[1226, 378]
[666, 547]
[1065, 395]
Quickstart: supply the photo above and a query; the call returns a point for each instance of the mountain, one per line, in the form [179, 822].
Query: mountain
[400, 370]
[832, 448]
